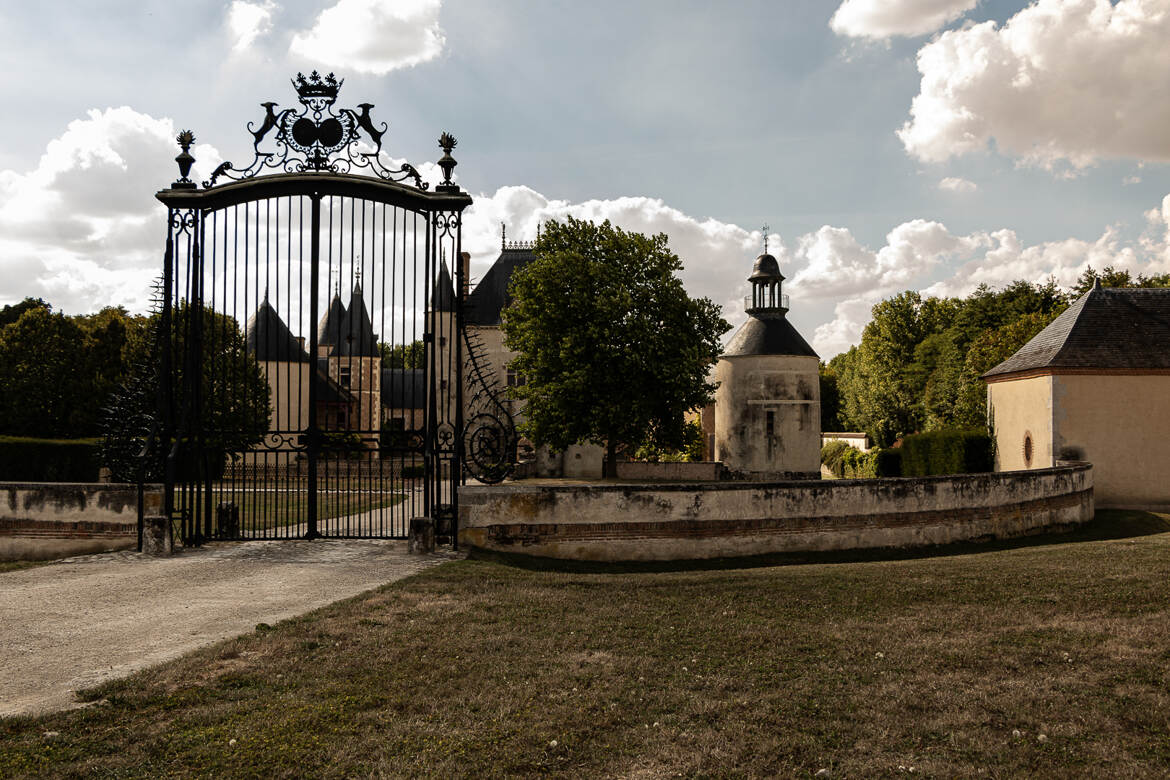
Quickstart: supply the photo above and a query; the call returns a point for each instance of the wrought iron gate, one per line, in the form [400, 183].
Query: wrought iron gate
[312, 361]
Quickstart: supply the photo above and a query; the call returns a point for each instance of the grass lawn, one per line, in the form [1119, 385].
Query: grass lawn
[951, 665]
[261, 509]
[18, 565]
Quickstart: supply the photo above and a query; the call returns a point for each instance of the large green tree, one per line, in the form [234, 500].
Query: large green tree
[914, 369]
[233, 392]
[613, 349]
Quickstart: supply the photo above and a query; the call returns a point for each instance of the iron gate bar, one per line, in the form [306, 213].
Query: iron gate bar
[351, 485]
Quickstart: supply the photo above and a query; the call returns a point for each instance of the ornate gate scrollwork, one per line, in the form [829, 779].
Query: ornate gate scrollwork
[489, 433]
[319, 138]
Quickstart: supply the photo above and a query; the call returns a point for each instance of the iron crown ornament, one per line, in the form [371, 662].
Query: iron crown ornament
[318, 137]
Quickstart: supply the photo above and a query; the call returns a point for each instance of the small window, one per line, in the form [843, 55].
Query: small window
[344, 376]
[1028, 449]
[515, 380]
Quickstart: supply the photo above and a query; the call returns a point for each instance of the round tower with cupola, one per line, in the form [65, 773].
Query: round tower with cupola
[768, 403]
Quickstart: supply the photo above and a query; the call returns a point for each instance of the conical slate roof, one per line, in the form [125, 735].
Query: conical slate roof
[357, 331]
[1106, 328]
[268, 338]
[769, 334]
[329, 331]
[443, 294]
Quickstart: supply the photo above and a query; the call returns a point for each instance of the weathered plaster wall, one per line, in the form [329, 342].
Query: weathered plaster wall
[45, 520]
[684, 522]
[1120, 424]
[1017, 408]
[752, 387]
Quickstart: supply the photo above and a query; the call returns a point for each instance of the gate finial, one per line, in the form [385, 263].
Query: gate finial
[185, 160]
[447, 142]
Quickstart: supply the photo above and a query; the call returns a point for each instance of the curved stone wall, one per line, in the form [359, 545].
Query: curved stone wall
[665, 522]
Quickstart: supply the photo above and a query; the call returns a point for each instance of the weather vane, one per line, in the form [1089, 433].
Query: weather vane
[765, 232]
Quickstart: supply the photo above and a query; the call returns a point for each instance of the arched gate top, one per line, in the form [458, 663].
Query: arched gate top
[315, 149]
[350, 185]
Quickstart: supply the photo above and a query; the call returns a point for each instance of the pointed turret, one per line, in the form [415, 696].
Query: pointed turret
[269, 339]
[357, 331]
[330, 330]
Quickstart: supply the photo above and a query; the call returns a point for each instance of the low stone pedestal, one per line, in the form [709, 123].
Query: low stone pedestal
[157, 537]
[422, 536]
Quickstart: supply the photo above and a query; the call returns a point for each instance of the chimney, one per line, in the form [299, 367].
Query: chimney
[301, 341]
[465, 262]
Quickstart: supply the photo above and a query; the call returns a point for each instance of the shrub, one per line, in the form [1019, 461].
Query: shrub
[832, 453]
[887, 462]
[946, 452]
[48, 460]
[416, 470]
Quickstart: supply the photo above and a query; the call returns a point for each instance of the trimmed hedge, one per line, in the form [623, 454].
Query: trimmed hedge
[48, 460]
[947, 452]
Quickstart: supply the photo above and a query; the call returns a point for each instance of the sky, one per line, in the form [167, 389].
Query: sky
[889, 145]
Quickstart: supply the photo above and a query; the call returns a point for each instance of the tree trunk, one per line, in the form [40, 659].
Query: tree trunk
[610, 458]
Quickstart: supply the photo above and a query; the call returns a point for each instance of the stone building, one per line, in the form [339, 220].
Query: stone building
[1094, 385]
[768, 403]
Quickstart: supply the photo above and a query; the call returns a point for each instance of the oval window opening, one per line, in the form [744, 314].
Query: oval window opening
[1028, 449]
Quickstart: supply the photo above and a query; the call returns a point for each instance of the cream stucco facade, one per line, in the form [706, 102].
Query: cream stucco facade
[288, 395]
[1119, 422]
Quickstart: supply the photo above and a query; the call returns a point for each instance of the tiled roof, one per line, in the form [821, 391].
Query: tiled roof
[268, 338]
[490, 296]
[771, 334]
[1106, 328]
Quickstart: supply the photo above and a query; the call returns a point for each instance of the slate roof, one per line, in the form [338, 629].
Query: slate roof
[1106, 328]
[443, 294]
[769, 334]
[268, 338]
[329, 332]
[357, 337]
[490, 296]
[404, 388]
[328, 391]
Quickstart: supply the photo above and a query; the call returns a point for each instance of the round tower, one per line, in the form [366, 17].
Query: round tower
[768, 404]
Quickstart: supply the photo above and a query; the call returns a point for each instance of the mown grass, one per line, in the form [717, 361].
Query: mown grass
[18, 565]
[952, 665]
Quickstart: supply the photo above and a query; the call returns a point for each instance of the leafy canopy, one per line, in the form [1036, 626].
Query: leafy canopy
[612, 348]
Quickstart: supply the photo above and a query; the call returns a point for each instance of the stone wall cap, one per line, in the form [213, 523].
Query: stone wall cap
[616, 487]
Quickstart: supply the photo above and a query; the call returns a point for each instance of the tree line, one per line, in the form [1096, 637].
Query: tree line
[58, 372]
[920, 359]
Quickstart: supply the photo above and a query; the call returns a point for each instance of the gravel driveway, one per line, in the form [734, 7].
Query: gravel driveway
[81, 621]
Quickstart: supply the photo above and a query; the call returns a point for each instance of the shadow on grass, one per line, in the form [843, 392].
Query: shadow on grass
[1106, 524]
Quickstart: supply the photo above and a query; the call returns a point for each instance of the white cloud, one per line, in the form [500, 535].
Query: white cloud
[886, 18]
[83, 229]
[717, 256]
[954, 184]
[248, 21]
[373, 36]
[1061, 82]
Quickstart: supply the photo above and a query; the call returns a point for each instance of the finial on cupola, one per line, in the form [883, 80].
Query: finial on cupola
[766, 281]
